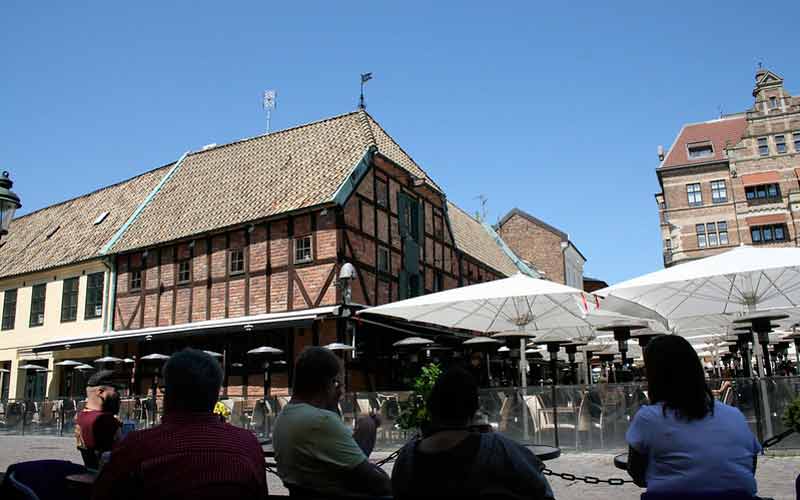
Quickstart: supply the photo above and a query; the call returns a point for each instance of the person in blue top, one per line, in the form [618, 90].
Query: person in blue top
[685, 441]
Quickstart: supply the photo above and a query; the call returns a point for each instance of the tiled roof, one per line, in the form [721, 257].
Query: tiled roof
[718, 132]
[474, 240]
[73, 236]
[260, 177]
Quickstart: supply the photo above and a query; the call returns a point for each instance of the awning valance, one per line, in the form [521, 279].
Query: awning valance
[770, 177]
[270, 321]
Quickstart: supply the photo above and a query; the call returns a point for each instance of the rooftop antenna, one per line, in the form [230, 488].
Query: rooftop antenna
[719, 108]
[270, 97]
[365, 77]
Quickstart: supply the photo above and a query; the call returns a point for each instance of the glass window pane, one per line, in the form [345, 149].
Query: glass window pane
[700, 228]
[779, 234]
[723, 237]
[701, 240]
[712, 239]
[766, 233]
[755, 234]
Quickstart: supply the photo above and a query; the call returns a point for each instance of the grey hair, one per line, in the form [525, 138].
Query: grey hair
[192, 380]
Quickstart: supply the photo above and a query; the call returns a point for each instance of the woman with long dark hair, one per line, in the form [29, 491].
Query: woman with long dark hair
[685, 440]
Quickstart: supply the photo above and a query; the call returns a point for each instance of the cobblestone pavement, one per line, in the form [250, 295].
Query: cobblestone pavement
[775, 475]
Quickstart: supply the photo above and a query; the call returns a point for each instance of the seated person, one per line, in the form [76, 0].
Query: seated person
[685, 441]
[455, 460]
[192, 454]
[314, 450]
[96, 426]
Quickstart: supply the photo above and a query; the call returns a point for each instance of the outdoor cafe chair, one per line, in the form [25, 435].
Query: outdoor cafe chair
[39, 480]
[587, 421]
[542, 416]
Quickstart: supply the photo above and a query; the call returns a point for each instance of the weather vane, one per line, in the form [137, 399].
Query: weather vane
[365, 77]
[269, 104]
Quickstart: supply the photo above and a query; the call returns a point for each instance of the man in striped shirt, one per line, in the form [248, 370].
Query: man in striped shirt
[192, 454]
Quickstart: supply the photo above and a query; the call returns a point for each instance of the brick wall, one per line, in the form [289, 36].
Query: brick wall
[535, 244]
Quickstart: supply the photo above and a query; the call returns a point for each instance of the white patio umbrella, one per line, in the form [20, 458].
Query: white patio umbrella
[744, 280]
[108, 359]
[85, 367]
[412, 342]
[155, 357]
[68, 362]
[265, 350]
[32, 367]
[213, 354]
[338, 346]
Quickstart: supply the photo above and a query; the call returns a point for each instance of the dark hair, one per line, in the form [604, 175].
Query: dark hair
[192, 380]
[454, 398]
[675, 377]
[314, 369]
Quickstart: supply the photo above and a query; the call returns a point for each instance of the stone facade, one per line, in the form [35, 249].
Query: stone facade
[746, 179]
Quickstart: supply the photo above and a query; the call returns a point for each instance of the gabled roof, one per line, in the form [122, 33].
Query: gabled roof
[66, 233]
[724, 131]
[474, 240]
[263, 176]
[539, 222]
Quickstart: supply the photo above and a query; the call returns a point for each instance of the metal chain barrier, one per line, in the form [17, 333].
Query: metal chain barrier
[614, 481]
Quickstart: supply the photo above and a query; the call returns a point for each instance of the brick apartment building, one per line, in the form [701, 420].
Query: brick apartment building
[734, 179]
[544, 247]
[241, 245]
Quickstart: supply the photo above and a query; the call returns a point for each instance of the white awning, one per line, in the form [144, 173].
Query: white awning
[270, 321]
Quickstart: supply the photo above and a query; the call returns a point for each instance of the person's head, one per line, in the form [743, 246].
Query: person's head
[454, 399]
[675, 377]
[101, 393]
[192, 380]
[316, 377]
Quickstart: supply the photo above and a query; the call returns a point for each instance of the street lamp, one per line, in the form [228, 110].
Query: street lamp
[9, 203]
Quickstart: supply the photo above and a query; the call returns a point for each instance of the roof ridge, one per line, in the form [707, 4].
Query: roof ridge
[373, 120]
[363, 120]
[277, 132]
[76, 198]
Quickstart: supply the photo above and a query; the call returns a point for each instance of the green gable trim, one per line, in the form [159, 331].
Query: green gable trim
[351, 182]
[523, 268]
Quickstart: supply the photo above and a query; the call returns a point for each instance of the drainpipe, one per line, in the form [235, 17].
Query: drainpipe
[109, 293]
[564, 245]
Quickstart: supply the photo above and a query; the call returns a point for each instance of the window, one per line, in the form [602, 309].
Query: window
[773, 102]
[136, 279]
[9, 309]
[668, 244]
[719, 193]
[37, 305]
[796, 138]
[236, 260]
[763, 192]
[763, 146]
[94, 296]
[438, 281]
[184, 271]
[302, 250]
[383, 259]
[701, 235]
[69, 300]
[768, 234]
[780, 144]
[381, 193]
[694, 194]
[722, 228]
[700, 150]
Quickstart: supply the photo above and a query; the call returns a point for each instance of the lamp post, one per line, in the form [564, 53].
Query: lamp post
[9, 203]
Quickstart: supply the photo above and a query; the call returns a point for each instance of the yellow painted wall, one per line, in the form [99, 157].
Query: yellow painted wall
[15, 344]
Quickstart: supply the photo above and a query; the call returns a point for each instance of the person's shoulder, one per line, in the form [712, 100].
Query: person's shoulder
[649, 412]
[726, 411]
[304, 415]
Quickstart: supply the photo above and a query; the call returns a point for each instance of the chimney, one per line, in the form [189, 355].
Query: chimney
[660, 152]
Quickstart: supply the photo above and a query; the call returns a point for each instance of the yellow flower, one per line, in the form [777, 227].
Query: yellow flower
[221, 409]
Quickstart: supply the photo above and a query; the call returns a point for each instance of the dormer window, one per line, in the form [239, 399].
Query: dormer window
[701, 150]
[773, 103]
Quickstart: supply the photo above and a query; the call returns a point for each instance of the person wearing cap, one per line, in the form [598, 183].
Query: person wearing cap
[96, 426]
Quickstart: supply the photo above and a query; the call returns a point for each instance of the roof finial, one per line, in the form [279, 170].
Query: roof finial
[365, 77]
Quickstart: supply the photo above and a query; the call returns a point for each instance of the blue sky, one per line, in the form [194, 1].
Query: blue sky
[555, 108]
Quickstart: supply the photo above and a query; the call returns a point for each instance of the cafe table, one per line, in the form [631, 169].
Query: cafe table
[621, 461]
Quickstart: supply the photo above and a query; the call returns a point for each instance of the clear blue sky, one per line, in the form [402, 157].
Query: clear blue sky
[556, 108]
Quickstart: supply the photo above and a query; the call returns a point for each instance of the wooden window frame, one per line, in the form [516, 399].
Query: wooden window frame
[34, 301]
[9, 310]
[381, 192]
[69, 299]
[94, 296]
[134, 278]
[384, 250]
[691, 192]
[717, 190]
[762, 146]
[295, 248]
[188, 271]
[234, 255]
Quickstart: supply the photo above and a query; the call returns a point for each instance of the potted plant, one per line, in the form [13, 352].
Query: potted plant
[414, 413]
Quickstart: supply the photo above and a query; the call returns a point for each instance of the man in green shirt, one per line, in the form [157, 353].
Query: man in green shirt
[314, 450]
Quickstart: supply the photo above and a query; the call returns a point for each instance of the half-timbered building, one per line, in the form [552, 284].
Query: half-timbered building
[241, 245]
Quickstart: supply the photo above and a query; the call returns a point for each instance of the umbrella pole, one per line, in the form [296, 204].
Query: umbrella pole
[523, 378]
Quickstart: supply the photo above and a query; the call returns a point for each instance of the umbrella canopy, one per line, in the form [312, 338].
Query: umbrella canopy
[744, 279]
[505, 348]
[481, 341]
[33, 367]
[505, 304]
[108, 359]
[412, 341]
[85, 367]
[68, 362]
[338, 346]
[265, 350]
[213, 354]
[129, 360]
[154, 357]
